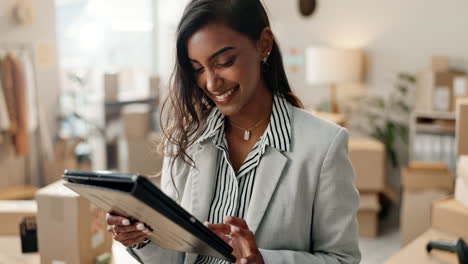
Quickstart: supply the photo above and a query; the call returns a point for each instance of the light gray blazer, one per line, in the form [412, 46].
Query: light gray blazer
[303, 206]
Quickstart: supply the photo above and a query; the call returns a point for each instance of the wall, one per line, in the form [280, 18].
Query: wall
[41, 36]
[397, 35]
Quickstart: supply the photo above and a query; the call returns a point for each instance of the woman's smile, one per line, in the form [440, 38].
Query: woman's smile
[225, 97]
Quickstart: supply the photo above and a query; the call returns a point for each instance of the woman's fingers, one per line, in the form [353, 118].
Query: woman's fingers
[246, 238]
[219, 228]
[133, 241]
[128, 235]
[236, 233]
[134, 227]
[116, 220]
[236, 221]
[248, 260]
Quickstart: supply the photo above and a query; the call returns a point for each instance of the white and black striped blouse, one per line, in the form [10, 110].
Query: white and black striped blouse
[234, 190]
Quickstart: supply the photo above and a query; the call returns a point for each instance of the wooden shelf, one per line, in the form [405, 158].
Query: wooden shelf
[18, 193]
[119, 104]
[435, 115]
[434, 129]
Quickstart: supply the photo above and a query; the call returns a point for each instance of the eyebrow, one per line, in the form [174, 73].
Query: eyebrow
[217, 53]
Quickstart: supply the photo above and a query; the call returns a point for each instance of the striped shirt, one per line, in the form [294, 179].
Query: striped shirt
[234, 190]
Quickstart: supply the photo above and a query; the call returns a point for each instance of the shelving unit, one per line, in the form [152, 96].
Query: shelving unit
[432, 137]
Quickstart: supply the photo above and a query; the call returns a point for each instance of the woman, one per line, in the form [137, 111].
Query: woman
[270, 179]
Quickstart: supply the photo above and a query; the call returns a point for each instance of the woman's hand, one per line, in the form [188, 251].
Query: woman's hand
[238, 235]
[126, 233]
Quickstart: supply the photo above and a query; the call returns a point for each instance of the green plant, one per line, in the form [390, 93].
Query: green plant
[385, 117]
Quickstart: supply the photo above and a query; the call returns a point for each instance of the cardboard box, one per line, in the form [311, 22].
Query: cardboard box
[64, 159]
[426, 175]
[415, 215]
[136, 121]
[10, 252]
[460, 87]
[440, 63]
[449, 215]
[368, 159]
[367, 217]
[422, 182]
[12, 213]
[415, 252]
[111, 87]
[461, 130]
[461, 191]
[70, 229]
[139, 155]
[462, 168]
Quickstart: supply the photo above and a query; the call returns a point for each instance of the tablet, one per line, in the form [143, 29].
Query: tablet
[135, 197]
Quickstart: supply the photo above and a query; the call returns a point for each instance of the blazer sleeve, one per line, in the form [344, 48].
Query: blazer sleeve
[152, 253]
[334, 236]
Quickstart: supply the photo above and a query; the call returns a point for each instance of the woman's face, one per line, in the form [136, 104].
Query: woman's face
[226, 66]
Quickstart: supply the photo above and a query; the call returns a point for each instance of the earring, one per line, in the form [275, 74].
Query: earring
[265, 65]
[266, 57]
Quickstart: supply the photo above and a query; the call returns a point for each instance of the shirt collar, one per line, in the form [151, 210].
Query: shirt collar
[277, 135]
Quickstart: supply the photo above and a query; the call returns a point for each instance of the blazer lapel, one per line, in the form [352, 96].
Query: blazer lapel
[269, 171]
[203, 179]
[203, 185]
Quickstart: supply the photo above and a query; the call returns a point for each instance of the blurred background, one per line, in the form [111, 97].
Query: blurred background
[82, 83]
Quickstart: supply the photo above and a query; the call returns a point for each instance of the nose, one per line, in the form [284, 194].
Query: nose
[213, 82]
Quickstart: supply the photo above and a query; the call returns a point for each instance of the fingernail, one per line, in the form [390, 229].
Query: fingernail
[140, 226]
[243, 260]
[146, 231]
[206, 223]
[228, 218]
[235, 229]
[125, 222]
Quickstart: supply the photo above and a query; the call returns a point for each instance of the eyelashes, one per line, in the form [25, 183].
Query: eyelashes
[229, 63]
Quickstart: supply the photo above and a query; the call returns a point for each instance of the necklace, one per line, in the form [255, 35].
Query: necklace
[247, 131]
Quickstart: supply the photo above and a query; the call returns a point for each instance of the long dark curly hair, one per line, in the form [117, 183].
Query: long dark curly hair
[187, 105]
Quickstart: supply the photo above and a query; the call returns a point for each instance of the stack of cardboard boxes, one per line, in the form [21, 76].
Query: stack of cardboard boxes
[449, 215]
[368, 159]
[141, 142]
[70, 229]
[422, 183]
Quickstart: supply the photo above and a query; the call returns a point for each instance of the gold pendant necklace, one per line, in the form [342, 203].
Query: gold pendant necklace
[247, 131]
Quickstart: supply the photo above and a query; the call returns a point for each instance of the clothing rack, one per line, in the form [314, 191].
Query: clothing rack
[30, 175]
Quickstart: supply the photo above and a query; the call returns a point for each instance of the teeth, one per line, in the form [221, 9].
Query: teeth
[224, 95]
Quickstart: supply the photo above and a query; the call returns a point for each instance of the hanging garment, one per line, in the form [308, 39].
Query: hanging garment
[21, 136]
[31, 92]
[4, 118]
[9, 93]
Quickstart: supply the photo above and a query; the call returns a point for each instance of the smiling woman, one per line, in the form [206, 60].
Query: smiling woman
[271, 180]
